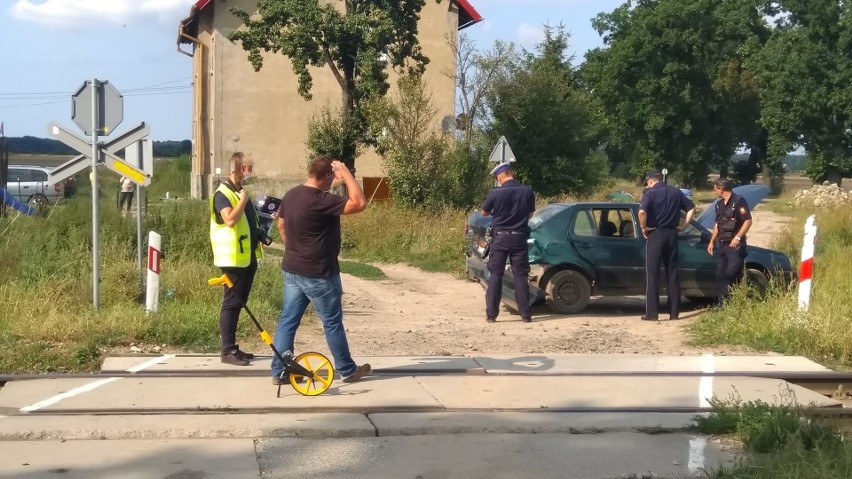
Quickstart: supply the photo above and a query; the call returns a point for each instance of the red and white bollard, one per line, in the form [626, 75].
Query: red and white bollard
[152, 293]
[807, 267]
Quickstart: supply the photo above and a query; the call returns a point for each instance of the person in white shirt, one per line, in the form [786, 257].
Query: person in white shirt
[127, 188]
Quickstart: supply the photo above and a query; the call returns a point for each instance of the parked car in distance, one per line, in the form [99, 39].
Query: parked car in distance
[585, 249]
[28, 184]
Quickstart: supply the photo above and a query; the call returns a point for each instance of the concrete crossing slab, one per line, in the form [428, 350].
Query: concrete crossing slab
[233, 393]
[573, 392]
[603, 363]
[404, 392]
[208, 459]
[183, 426]
[261, 365]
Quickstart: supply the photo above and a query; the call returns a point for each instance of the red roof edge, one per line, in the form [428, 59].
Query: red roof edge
[200, 4]
[467, 14]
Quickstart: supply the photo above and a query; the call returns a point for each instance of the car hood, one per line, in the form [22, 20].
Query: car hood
[753, 195]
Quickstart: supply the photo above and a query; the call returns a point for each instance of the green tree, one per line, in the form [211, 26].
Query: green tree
[544, 114]
[671, 87]
[805, 84]
[355, 39]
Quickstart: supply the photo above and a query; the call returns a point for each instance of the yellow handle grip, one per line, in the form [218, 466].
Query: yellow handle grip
[224, 279]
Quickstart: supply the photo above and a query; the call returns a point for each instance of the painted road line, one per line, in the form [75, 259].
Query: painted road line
[705, 385]
[93, 385]
[697, 446]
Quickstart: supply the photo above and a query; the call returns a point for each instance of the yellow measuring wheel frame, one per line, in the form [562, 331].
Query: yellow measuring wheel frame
[316, 363]
[323, 374]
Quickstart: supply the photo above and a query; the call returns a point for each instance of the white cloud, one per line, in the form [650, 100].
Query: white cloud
[530, 35]
[91, 12]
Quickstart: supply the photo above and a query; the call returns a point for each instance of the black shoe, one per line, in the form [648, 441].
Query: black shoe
[526, 320]
[648, 318]
[244, 355]
[234, 360]
[490, 320]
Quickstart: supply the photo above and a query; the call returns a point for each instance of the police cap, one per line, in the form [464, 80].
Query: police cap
[500, 168]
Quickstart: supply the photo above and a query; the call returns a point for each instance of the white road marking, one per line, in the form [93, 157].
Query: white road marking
[705, 386]
[93, 385]
[697, 446]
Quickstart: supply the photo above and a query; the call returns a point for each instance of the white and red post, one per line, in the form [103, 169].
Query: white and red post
[155, 255]
[807, 267]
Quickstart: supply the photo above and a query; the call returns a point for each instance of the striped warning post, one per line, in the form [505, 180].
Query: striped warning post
[155, 255]
[807, 267]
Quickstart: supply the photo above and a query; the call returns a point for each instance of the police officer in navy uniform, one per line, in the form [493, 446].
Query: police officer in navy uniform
[733, 220]
[511, 205]
[659, 218]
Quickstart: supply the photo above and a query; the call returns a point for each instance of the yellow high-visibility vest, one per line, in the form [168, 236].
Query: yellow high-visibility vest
[231, 246]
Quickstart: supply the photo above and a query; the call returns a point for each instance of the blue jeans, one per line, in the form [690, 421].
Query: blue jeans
[325, 294]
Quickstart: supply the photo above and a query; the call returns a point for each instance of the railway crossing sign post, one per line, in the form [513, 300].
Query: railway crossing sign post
[97, 108]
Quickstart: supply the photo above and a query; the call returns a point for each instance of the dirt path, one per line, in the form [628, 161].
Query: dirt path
[413, 312]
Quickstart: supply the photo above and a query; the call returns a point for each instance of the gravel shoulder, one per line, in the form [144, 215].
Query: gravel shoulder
[413, 312]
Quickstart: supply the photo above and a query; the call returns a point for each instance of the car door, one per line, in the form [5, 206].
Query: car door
[697, 267]
[18, 184]
[605, 237]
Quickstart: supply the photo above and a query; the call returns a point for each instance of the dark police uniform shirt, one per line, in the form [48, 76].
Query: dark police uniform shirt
[510, 206]
[730, 217]
[663, 204]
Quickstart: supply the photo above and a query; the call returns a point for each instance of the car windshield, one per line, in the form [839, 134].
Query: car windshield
[545, 213]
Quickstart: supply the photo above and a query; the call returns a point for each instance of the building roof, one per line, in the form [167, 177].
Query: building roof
[189, 25]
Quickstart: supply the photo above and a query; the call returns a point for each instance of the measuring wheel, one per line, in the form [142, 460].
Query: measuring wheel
[323, 374]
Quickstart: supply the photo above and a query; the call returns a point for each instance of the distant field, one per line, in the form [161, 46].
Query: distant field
[38, 160]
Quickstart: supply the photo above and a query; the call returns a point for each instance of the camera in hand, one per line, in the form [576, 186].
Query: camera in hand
[263, 236]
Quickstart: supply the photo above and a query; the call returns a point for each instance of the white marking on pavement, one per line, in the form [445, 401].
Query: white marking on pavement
[697, 446]
[152, 362]
[93, 385]
[705, 386]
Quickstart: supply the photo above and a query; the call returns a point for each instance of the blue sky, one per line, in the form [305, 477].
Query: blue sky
[50, 47]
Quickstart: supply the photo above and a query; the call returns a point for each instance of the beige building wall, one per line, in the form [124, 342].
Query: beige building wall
[261, 113]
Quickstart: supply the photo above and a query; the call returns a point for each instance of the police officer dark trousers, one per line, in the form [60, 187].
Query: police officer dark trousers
[511, 205]
[733, 220]
[659, 218]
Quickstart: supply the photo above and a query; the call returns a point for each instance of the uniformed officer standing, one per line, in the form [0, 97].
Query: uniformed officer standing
[733, 220]
[511, 205]
[659, 218]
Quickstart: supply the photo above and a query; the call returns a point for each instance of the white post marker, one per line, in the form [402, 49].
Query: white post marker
[807, 267]
[152, 294]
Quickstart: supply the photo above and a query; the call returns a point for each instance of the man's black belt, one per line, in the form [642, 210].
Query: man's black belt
[507, 232]
[665, 227]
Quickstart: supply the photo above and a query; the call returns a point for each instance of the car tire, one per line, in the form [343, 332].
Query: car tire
[38, 202]
[758, 281]
[568, 292]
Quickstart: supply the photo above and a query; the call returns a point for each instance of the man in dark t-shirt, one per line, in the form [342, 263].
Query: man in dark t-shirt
[309, 223]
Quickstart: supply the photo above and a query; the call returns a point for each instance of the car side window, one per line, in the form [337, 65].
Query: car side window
[38, 175]
[605, 223]
[584, 224]
[17, 175]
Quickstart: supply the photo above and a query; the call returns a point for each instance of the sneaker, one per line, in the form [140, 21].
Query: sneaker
[244, 355]
[490, 320]
[649, 318]
[362, 371]
[233, 359]
[526, 320]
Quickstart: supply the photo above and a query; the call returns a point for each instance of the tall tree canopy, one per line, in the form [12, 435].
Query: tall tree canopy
[670, 84]
[546, 118]
[805, 74]
[354, 39]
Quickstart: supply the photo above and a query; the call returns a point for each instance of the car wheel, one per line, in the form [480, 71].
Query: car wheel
[39, 203]
[758, 281]
[702, 300]
[568, 292]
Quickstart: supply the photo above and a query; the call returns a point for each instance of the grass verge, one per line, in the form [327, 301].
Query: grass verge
[784, 444]
[824, 332]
